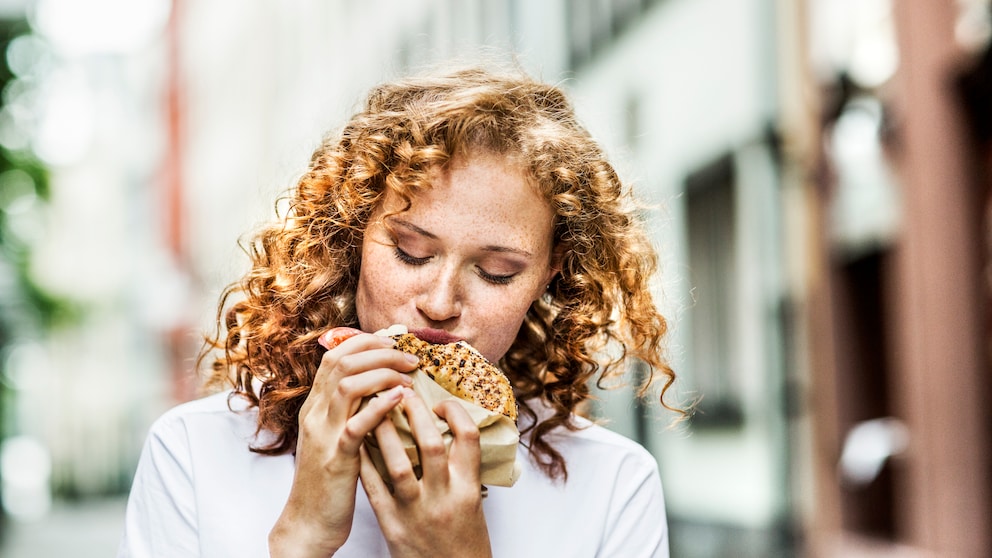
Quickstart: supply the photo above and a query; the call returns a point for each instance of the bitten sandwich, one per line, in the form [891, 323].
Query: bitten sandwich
[457, 367]
[453, 370]
[463, 372]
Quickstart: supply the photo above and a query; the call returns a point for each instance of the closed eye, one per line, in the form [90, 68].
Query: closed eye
[407, 258]
[492, 278]
[496, 279]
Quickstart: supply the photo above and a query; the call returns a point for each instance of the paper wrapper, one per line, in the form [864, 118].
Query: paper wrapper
[498, 435]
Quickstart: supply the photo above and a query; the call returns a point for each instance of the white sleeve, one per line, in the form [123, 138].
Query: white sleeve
[161, 515]
[637, 526]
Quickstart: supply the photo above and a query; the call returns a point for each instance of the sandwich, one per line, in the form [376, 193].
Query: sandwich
[454, 370]
[457, 367]
[463, 372]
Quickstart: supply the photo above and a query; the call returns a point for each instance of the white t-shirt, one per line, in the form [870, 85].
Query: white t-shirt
[200, 491]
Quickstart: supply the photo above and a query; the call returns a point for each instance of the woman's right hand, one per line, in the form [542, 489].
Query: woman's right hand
[317, 517]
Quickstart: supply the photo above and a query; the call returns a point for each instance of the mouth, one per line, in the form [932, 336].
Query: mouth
[435, 336]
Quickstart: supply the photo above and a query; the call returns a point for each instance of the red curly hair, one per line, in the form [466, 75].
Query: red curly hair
[305, 265]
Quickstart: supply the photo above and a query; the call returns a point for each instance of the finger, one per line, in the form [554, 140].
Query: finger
[465, 456]
[430, 443]
[351, 390]
[354, 363]
[398, 465]
[355, 344]
[375, 487]
[366, 420]
[337, 402]
[337, 364]
[362, 341]
[346, 361]
[335, 336]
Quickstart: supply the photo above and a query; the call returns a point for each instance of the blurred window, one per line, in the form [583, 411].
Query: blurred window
[593, 25]
[711, 219]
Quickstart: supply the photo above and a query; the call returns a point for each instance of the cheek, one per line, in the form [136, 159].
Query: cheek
[503, 320]
[379, 289]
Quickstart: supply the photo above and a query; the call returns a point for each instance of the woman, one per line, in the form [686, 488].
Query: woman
[468, 206]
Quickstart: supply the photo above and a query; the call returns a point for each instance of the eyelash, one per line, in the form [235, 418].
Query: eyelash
[487, 277]
[407, 258]
[495, 279]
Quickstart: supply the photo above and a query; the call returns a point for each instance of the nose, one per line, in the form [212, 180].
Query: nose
[441, 298]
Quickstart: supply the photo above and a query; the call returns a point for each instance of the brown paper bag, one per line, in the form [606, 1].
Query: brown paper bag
[498, 435]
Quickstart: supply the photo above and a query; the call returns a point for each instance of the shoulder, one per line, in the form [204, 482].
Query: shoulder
[594, 449]
[217, 404]
[596, 458]
[612, 483]
[224, 410]
[597, 434]
[586, 437]
[221, 402]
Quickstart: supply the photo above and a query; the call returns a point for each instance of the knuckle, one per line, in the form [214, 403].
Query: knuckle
[439, 516]
[471, 435]
[346, 365]
[346, 387]
[432, 449]
[338, 364]
[308, 422]
[350, 435]
[450, 513]
[313, 426]
[305, 410]
[401, 475]
[329, 359]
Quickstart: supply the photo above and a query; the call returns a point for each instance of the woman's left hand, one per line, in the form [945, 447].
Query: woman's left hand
[439, 514]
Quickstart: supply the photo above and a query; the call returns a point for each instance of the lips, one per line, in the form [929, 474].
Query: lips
[435, 336]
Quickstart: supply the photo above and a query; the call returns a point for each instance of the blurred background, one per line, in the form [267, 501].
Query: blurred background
[822, 173]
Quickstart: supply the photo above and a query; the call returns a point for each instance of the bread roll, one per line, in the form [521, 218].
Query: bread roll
[463, 372]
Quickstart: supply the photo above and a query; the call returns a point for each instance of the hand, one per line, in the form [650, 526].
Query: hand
[440, 514]
[318, 514]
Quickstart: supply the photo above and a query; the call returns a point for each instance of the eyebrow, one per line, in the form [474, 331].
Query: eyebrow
[488, 248]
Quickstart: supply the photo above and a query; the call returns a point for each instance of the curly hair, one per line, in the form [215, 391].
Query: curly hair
[598, 311]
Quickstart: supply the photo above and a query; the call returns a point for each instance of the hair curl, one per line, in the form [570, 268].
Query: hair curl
[304, 270]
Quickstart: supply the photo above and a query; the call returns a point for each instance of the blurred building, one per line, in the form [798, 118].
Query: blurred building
[896, 302]
[81, 354]
[685, 95]
[819, 172]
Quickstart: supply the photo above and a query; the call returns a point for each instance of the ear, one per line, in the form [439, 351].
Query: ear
[558, 256]
[557, 260]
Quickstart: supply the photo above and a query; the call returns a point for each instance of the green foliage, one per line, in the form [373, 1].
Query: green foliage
[26, 308]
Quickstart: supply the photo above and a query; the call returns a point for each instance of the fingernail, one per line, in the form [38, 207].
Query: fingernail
[412, 359]
[387, 341]
[408, 393]
[407, 380]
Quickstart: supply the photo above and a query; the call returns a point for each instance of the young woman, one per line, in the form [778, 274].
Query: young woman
[466, 206]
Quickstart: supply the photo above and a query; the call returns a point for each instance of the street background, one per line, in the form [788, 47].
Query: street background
[819, 172]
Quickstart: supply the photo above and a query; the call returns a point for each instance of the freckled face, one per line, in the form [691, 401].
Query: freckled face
[468, 258]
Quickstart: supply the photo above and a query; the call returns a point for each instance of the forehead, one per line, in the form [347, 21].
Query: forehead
[481, 194]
